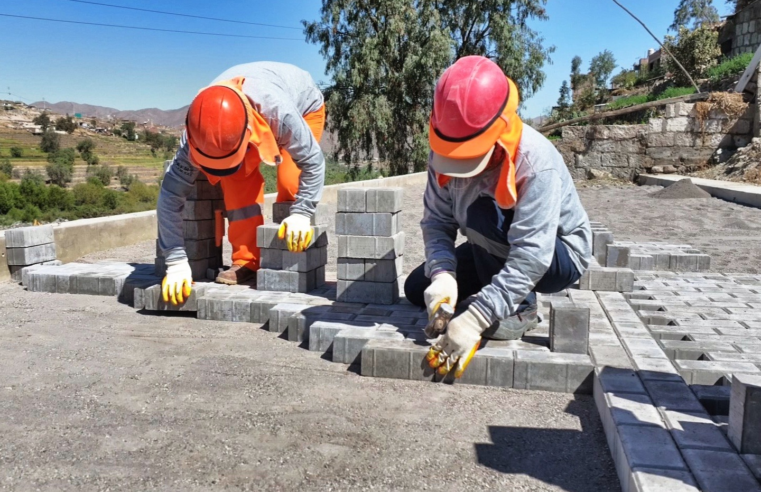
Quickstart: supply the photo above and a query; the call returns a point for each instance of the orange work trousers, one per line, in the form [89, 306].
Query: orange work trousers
[244, 196]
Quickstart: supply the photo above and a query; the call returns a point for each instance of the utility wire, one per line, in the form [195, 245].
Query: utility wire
[184, 15]
[149, 28]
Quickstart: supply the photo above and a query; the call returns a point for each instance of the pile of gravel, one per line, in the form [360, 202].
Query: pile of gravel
[684, 188]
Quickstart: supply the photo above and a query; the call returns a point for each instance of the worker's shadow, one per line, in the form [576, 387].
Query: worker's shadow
[552, 455]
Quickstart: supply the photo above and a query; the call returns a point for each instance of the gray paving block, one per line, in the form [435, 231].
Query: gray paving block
[673, 395]
[30, 255]
[266, 237]
[307, 261]
[753, 461]
[198, 210]
[565, 373]
[134, 288]
[569, 328]
[271, 258]
[369, 247]
[25, 237]
[649, 447]
[612, 356]
[348, 343]
[322, 333]
[715, 399]
[712, 372]
[356, 291]
[384, 270]
[745, 414]
[203, 190]
[660, 480]
[198, 229]
[287, 281]
[282, 210]
[618, 380]
[695, 430]
[717, 471]
[385, 200]
[395, 360]
[618, 256]
[299, 325]
[200, 249]
[352, 200]
[600, 242]
[351, 269]
[367, 224]
[624, 280]
[280, 315]
[198, 268]
[629, 408]
[152, 299]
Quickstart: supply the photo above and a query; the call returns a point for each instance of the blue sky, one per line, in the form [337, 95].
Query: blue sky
[128, 69]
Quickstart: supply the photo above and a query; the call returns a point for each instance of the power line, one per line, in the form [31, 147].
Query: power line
[184, 15]
[150, 28]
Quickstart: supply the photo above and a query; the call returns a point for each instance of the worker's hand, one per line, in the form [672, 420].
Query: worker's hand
[177, 283]
[443, 289]
[459, 344]
[297, 232]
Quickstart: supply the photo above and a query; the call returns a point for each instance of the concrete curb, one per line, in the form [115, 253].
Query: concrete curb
[744, 194]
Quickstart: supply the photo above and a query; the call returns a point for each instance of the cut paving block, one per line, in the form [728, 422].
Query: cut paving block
[30, 255]
[370, 247]
[282, 210]
[565, 373]
[617, 256]
[600, 242]
[348, 343]
[266, 237]
[367, 224]
[25, 237]
[356, 291]
[352, 200]
[607, 280]
[745, 414]
[385, 200]
[287, 281]
[569, 328]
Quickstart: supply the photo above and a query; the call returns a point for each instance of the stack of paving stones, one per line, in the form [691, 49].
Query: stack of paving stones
[610, 278]
[370, 245]
[29, 246]
[203, 214]
[656, 256]
[284, 271]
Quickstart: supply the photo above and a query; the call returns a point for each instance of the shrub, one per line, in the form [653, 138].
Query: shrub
[63, 156]
[65, 124]
[143, 193]
[86, 149]
[42, 119]
[125, 178]
[92, 160]
[110, 199]
[6, 168]
[33, 190]
[59, 173]
[9, 197]
[697, 50]
[51, 142]
[730, 67]
[88, 193]
[17, 152]
[102, 173]
[626, 79]
[60, 198]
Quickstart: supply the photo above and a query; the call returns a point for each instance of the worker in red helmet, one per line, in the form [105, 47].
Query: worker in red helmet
[263, 112]
[503, 186]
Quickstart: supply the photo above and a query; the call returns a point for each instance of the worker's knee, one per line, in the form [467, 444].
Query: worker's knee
[415, 286]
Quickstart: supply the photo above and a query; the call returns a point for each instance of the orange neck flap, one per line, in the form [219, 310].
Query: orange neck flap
[506, 193]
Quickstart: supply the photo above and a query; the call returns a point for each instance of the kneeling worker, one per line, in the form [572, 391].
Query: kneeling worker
[506, 188]
[252, 113]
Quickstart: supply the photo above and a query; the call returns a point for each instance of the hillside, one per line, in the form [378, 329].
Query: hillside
[174, 118]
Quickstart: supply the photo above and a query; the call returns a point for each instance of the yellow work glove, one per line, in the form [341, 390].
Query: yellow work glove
[297, 232]
[443, 289]
[455, 348]
[177, 283]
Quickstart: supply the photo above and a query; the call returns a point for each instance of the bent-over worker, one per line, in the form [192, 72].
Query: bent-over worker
[252, 113]
[506, 188]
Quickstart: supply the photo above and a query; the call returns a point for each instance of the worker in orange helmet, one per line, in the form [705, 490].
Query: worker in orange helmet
[262, 112]
[505, 187]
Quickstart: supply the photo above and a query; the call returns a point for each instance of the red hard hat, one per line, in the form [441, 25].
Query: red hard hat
[470, 98]
[218, 128]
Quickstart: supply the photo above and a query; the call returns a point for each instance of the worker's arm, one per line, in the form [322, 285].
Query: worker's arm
[532, 245]
[178, 183]
[295, 136]
[439, 228]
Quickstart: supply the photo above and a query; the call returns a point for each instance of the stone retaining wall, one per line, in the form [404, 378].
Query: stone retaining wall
[675, 142]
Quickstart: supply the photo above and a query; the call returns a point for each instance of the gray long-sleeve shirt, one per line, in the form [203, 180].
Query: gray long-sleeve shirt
[283, 94]
[547, 207]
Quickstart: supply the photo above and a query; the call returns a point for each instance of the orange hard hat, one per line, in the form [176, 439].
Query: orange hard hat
[220, 125]
[472, 106]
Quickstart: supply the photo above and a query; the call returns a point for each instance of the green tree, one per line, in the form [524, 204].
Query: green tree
[93, 123]
[601, 67]
[128, 130]
[59, 173]
[575, 71]
[85, 148]
[694, 13]
[17, 152]
[384, 57]
[564, 101]
[51, 142]
[103, 174]
[6, 168]
[697, 50]
[42, 119]
[64, 156]
[33, 190]
[66, 124]
[626, 79]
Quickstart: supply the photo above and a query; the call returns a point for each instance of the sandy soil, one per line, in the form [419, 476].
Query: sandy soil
[95, 396]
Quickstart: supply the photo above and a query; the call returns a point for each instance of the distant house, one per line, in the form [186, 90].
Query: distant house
[651, 63]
